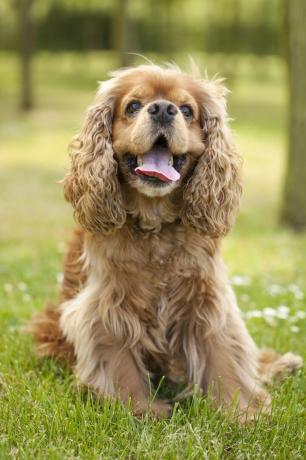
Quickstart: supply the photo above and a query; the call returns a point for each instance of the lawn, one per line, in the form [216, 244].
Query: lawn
[42, 413]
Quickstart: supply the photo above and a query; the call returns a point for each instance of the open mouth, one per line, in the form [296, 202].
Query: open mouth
[158, 165]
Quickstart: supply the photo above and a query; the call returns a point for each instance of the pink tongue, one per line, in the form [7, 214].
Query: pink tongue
[156, 164]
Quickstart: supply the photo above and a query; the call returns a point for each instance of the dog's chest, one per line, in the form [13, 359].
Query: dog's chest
[156, 281]
[162, 267]
[157, 272]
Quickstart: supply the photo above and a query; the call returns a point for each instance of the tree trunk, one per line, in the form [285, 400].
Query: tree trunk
[25, 51]
[120, 31]
[294, 206]
[25, 27]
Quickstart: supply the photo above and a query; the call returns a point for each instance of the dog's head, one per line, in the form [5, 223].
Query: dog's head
[157, 131]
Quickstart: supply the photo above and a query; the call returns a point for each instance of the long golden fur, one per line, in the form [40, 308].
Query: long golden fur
[144, 288]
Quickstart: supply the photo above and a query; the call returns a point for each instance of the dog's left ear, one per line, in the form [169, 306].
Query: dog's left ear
[212, 194]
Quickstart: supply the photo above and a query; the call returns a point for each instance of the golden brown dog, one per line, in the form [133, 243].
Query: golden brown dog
[155, 184]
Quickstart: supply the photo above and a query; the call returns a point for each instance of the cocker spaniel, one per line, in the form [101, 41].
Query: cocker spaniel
[155, 185]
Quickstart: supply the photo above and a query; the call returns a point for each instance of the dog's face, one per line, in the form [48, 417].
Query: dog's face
[157, 132]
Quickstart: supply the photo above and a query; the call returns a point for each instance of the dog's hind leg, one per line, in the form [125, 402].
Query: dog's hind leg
[44, 326]
[275, 368]
[230, 372]
[230, 357]
[48, 337]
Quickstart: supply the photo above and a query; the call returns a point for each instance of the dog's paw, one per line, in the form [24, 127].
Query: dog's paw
[251, 414]
[158, 408]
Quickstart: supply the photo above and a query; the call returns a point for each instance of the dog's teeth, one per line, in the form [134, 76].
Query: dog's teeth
[139, 160]
[170, 162]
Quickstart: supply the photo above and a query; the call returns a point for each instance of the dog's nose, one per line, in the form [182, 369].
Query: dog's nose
[162, 111]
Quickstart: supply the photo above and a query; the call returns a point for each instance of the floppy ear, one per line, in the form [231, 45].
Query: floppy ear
[91, 184]
[212, 195]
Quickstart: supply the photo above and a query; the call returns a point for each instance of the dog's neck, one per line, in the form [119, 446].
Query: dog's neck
[150, 213]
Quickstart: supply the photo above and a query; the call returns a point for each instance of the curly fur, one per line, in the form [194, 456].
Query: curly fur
[145, 290]
[212, 195]
[91, 185]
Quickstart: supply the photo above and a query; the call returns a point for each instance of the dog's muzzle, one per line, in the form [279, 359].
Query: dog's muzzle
[158, 166]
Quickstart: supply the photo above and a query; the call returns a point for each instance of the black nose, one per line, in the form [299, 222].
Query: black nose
[162, 111]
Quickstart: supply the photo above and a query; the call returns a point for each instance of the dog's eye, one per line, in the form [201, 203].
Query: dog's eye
[133, 107]
[186, 111]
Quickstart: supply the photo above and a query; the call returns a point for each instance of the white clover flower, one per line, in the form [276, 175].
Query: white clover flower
[300, 314]
[275, 289]
[296, 291]
[254, 314]
[22, 286]
[239, 280]
[295, 329]
[270, 320]
[8, 288]
[281, 315]
[299, 295]
[282, 312]
[26, 297]
[269, 312]
[293, 319]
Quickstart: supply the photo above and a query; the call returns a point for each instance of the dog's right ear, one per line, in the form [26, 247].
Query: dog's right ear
[91, 184]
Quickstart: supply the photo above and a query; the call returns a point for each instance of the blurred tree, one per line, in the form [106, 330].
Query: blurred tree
[120, 31]
[294, 206]
[168, 26]
[25, 28]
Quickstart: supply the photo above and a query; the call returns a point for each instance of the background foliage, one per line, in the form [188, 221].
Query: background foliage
[231, 26]
[42, 413]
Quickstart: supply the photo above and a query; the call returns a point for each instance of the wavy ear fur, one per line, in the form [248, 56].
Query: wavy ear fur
[91, 184]
[212, 194]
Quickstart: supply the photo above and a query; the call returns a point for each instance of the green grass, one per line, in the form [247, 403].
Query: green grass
[42, 413]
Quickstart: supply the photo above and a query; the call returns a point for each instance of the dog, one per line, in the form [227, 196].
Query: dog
[155, 183]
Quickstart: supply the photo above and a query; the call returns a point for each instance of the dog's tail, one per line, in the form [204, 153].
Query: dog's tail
[48, 337]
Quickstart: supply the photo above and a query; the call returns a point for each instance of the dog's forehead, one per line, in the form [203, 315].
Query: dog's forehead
[169, 85]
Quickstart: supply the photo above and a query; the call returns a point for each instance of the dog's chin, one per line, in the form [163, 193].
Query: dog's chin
[153, 188]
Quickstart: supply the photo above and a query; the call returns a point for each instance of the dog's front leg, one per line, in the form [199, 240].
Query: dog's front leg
[103, 362]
